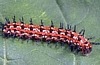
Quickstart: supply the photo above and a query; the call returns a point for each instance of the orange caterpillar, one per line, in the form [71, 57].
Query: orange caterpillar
[76, 41]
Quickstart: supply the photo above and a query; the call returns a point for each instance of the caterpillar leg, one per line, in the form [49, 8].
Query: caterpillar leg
[42, 24]
[14, 21]
[77, 49]
[21, 20]
[56, 44]
[74, 28]
[68, 27]
[90, 38]
[14, 36]
[31, 21]
[7, 20]
[28, 40]
[52, 25]
[61, 25]
[82, 32]
[71, 46]
[94, 43]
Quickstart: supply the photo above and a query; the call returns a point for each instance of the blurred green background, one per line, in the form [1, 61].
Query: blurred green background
[83, 13]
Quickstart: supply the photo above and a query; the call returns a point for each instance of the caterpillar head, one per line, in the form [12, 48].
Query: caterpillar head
[87, 49]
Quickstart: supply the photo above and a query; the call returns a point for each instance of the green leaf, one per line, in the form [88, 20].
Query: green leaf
[83, 13]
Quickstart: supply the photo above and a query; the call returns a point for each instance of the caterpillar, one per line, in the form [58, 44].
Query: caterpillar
[76, 41]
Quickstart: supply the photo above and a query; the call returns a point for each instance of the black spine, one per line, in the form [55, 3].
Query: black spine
[94, 43]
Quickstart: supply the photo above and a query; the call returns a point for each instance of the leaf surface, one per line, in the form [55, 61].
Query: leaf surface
[83, 13]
